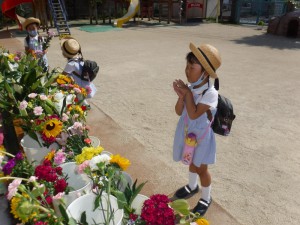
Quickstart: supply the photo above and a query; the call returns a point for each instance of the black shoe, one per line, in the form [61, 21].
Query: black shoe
[202, 206]
[186, 192]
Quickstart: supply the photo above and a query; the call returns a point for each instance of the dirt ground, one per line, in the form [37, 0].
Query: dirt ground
[256, 178]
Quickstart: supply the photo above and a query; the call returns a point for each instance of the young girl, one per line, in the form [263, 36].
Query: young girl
[72, 51]
[33, 41]
[196, 106]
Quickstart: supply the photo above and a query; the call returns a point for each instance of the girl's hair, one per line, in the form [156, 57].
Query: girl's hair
[191, 58]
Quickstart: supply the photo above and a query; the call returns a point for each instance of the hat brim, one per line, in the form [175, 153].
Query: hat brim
[29, 21]
[203, 61]
[63, 50]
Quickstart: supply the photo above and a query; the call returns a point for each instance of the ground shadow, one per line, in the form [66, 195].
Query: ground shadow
[271, 41]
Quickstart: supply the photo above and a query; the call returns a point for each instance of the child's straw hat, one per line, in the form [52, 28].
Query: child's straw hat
[70, 47]
[209, 57]
[29, 21]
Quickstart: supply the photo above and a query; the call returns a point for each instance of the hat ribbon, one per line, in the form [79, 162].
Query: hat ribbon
[213, 68]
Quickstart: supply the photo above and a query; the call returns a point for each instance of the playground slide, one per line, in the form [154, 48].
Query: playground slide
[132, 10]
[9, 8]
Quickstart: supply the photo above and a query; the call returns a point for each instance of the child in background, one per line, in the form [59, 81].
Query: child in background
[196, 106]
[34, 42]
[71, 50]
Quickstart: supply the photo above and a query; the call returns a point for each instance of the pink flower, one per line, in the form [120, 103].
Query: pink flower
[59, 158]
[13, 188]
[77, 125]
[65, 117]
[43, 97]
[32, 179]
[23, 105]
[82, 166]
[77, 90]
[38, 110]
[59, 195]
[32, 95]
[1, 138]
[88, 89]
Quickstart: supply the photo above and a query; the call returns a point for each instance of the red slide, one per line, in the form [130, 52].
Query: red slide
[9, 8]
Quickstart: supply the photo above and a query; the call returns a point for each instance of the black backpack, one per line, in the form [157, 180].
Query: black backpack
[224, 116]
[89, 70]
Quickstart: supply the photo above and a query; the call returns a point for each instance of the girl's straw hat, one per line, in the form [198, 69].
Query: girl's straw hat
[70, 47]
[209, 57]
[29, 21]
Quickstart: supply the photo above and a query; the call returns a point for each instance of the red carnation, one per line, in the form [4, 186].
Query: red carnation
[156, 211]
[60, 186]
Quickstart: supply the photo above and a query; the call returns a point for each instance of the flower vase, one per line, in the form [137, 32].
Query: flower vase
[126, 179]
[80, 184]
[95, 142]
[33, 151]
[138, 203]
[86, 204]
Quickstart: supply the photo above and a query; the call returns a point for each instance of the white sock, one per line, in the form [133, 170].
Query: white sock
[193, 180]
[206, 193]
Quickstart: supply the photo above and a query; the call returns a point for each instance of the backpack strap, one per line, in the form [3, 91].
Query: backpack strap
[27, 40]
[205, 132]
[75, 73]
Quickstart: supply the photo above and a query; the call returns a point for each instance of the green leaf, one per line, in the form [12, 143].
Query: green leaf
[64, 213]
[120, 198]
[83, 218]
[97, 202]
[38, 191]
[181, 206]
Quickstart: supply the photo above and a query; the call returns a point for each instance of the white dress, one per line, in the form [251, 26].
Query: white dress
[76, 65]
[205, 151]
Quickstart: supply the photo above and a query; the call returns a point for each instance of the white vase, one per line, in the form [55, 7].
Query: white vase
[80, 184]
[126, 179]
[85, 203]
[33, 151]
[138, 202]
[95, 142]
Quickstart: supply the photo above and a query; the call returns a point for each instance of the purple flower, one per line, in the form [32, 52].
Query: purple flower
[8, 167]
[19, 156]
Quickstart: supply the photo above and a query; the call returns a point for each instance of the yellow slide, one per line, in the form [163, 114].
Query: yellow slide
[132, 10]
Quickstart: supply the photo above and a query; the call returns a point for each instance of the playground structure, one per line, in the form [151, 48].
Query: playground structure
[132, 11]
[287, 25]
[44, 10]
[56, 11]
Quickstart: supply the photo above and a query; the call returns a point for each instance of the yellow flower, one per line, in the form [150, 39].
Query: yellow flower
[202, 221]
[50, 155]
[2, 149]
[88, 153]
[123, 163]
[52, 127]
[11, 57]
[63, 79]
[22, 208]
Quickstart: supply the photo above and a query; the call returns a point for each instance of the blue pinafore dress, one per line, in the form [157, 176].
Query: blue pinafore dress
[205, 151]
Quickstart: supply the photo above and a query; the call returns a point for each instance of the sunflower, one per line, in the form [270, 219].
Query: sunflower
[50, 155]
[63, 79]
[123, 163]
[52, 127]
[22, 208]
